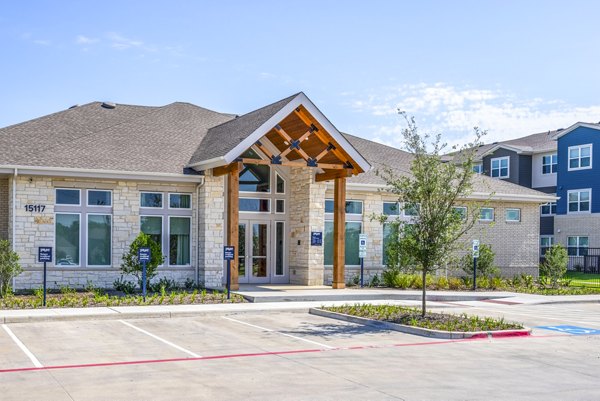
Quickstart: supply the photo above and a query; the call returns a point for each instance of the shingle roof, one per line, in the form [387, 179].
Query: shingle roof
[126, 138]
[383, 156]
[224, 137]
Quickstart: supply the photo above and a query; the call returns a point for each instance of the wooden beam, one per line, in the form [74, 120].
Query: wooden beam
[331, 166]
[263, 149]
[339, 232]
[222, 170]
[289, 139]
[233, 217]
[332, 174]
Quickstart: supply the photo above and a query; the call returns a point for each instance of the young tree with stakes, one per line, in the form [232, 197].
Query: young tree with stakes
[435, 188]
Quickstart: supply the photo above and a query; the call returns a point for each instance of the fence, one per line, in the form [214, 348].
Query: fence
[584, 266]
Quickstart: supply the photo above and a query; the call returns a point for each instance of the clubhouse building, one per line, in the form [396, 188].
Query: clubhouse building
[280, 183]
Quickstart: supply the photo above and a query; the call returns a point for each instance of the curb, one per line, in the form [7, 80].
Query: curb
[452, 335]
[369, 297]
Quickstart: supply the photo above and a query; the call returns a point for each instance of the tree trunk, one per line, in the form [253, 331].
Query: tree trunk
[424, 302]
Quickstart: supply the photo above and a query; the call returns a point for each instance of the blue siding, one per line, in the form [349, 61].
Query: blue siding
[580, 179]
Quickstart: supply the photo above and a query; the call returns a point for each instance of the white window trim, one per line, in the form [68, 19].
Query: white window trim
[463, 208]
[550, 237]
[487, 220]
[162, 229]
[169, 239]
[79, 237]
[87, 197]
[579, 200]
[549, 204]
[252, 212]
[551, 164]
[418, 205]
[500, 167]
[275, 249]
[362, 207]
[284, 184]
[569, 168]
[66, 204]
[153, 207]
[87, 238]
[506, 215]
[362, 226]
[276, 212]
[389, 216]
[578, 246]
[179, 208]
[479, 167]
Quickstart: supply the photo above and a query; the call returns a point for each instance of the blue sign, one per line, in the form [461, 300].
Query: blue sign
[571, 330]
[144, 254]
[45, 254]
[228, 253]
[316, 238]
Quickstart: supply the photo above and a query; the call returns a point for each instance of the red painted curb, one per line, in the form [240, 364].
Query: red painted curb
[479, 335]
[512, 333]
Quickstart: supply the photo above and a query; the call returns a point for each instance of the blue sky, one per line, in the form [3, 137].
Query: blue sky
[511, 67]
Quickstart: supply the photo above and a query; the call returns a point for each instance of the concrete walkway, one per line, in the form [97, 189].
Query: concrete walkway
[286, 298]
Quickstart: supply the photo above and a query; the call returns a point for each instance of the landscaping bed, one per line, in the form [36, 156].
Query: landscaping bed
[410, 320]
[69, 298]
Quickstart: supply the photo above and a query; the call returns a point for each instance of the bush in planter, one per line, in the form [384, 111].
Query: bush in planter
[9, 267]
[555, 264]
[131, 264]
[485, 263]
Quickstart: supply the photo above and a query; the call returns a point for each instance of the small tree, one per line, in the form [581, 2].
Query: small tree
[435, 188]
[485, 262]
[555, 264]
[131, 264]
[9, 267]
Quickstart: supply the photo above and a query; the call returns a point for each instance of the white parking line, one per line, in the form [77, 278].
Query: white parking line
[35, 361]
[161, 339]
[537, 315]
[279, 332]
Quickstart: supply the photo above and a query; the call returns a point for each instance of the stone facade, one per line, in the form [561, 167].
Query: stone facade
[4, 208]
[306, 214]
[211, 230]
[35, 229]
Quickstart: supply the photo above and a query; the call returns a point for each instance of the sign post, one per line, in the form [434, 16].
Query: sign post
[362, 254]
[228, 255]
[144, 254]
[45, 256]
[475, 257]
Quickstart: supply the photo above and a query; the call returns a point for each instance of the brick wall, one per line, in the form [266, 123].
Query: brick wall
[4, 208]
[587, 225]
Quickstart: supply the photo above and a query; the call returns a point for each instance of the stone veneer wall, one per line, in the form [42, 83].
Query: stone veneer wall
[306, 214]
[37, 229]
[516, 244]
[211, 231]
[4, 208]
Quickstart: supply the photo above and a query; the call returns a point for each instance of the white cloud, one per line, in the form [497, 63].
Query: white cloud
[455, 111]
[122, 43]
[84, 40]
[42, 42]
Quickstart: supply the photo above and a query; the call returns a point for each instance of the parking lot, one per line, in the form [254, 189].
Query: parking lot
[294, 355]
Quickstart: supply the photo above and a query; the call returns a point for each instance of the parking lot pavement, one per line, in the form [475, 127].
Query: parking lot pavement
[293, 355]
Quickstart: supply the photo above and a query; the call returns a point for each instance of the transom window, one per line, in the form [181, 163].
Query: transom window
[486, 214]
[151, 199]
[549, 164]
[580, 157]
[548, 209]
[352, 206]
[500, 167]
[68, 196]
[577, 246]
[180, 201]
[391, 209]
[99, 198]
[411, 209]
[255, 205]
[255, 177]
[579, 200]
[513, 215]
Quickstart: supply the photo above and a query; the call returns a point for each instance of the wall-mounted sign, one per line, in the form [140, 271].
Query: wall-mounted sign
[35, 208]
[316, 238]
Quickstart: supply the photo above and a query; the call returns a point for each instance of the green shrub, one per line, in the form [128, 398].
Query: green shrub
[9, 267]
[555, 264]
[375, 281]
[131, 264]
[455, 283]
[485, 263]
[120, 284]
[441, 283]
[164, 284]
[389, 276]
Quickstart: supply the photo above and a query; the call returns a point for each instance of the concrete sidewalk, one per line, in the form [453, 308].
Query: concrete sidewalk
[287, 298]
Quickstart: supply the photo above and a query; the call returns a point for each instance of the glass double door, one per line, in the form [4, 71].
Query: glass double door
[253, 252]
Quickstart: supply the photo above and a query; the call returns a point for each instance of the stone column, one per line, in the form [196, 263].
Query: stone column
[211, 231]
[306, 214]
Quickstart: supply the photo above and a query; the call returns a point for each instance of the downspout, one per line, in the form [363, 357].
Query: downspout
[14, 218]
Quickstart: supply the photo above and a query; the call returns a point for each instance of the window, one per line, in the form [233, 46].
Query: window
[548, 209]
[549, 164]
[353, 229]
[546, 241]
[279, 206]
[151, 199]
[68, 197]
[478, 168]
[152, 226]
[411, 209]
[500, 167]
[255, 205]
[179, 240]
[280, 184]
[579, 201]
[486, 214]
[99, 239]
[577, 246]
[513, 215]
[391, 208]
[180, 201]
[67, 235]
[99, 198]
[580, 157]
[255, 177]
[279, 247]
[352, 207]
[461, 211]
[390, 235]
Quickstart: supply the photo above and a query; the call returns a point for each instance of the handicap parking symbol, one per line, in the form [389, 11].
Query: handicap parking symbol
[571, 330]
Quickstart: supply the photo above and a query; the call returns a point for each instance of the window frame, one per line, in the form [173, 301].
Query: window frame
[178, 208]
[362, 207]
[362, 227]
[478, 168]
[578, 247]
[512, 209]
[550, 205]
[67, 204]
[55, 253]
[162, 229]
[162, 194]
[500, 159]
[87, 197]
[398, 209]
[276, 248]
[276, 191]
[487, 220]
[253, 211]
[168, 258]
[465, 214]
[579, 147]
[87, 238]
[417, 207]
[578, 192]
[553, 163]
[276, 202]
